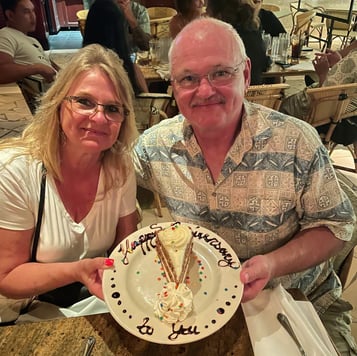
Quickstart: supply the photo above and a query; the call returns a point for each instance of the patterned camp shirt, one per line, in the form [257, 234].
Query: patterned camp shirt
[276, 179]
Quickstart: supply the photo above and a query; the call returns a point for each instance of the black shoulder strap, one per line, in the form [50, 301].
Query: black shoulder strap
[41, 204]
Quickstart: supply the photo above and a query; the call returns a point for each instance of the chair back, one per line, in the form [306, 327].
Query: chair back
[150, 108]
[302, 22]
[342, 30]
[331, 104]
[269, 95]
[81, 18]
[270, 7]
[160, 17]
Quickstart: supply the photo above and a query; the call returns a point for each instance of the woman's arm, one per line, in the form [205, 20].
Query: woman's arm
[20, 278]
[126, 225]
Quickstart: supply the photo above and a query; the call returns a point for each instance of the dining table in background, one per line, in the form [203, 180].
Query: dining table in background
[14, 111]
[67, 337]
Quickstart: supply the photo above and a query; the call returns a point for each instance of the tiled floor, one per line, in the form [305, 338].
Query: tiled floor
[73, 39]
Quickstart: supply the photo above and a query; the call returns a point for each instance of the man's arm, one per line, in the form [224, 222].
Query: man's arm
[12, 72]
[138, 25]
[308, 248]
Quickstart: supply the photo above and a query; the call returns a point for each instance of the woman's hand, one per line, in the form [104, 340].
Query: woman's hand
[90, 273]
[255, 274]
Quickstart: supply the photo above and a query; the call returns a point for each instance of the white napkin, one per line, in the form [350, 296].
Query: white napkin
[268, 337]
[40, 311]
[163, 71]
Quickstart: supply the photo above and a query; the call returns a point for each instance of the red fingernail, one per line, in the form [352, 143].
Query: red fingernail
[109, 262]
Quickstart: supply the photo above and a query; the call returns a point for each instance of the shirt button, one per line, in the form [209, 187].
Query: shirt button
[214, 194]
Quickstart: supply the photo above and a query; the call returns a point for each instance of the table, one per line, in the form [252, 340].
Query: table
[67, 336]
[304, 67]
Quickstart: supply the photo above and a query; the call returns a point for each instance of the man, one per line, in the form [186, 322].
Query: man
[258, 178]
[138, 24]
[21, 55]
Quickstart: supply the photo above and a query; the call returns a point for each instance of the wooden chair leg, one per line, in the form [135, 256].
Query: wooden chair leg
[158, 204]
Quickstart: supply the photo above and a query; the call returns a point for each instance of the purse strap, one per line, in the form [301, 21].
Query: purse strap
[41, 204]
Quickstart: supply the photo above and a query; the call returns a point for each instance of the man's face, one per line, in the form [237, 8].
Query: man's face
[207, 106]
[23, 18]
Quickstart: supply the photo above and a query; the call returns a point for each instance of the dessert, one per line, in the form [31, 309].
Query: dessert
[174, 247]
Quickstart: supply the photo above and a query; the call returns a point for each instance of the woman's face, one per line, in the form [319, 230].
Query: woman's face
[85, 133]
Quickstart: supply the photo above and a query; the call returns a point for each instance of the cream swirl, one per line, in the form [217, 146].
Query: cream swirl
[177, 236]
[173, 304]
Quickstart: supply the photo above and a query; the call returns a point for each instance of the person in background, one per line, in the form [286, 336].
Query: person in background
[258, 178]
[269, 23]
[187, 10]
[242, 15]
[138, 23]
[331, 68]
[21, 55]
[105, 25]
[80, 141]
[22, 58]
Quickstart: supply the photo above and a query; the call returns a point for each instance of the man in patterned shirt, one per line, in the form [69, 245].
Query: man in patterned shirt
[258, 178]
[138, 24]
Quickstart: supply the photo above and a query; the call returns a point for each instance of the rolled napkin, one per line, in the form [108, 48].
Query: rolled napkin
[267, 335]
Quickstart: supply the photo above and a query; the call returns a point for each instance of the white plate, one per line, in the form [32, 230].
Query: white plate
[131, 288]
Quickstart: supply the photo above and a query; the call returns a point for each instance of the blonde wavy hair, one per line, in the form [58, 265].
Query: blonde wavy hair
[42, 138]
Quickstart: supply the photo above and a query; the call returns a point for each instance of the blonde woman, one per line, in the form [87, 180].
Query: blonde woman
[79, 141]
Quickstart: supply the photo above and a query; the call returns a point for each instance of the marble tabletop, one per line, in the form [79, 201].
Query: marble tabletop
[67, 337]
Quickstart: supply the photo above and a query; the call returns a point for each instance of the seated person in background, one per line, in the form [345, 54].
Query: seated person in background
[22, 56]
[269, 23]
[243, 17]
[331, 68]
[231, 166]
[344, 71]
[138, 24]
[105, 25]
[82, 136]
[187, 10]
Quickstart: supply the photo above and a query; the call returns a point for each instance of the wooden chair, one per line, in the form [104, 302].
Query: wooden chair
[302, 23]
[270, 7]
[343, 260]
[160, 17]
[150, 109]
[330, 105]
[341, 30]
[269, 95]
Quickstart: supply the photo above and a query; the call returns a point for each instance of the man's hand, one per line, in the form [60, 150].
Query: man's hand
[255, 274]
[47, 72]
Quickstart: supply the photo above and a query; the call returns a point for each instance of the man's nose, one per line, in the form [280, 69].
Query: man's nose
[205, 88]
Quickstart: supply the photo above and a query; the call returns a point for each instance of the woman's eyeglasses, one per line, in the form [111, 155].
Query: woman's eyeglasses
[84, 106]
[216, 77]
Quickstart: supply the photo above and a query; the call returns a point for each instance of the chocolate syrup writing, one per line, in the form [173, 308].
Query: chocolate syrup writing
[146, 242]
[146, 329]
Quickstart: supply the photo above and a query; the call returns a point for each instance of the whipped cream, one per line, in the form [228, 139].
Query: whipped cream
[174, 239]
[173, 304]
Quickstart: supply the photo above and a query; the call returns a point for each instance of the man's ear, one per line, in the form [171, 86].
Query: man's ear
[246, 71]
[8, 14]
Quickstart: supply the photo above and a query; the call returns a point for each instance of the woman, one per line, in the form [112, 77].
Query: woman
[243, 16]
[187, 10]
[106, 25]
[82, 136]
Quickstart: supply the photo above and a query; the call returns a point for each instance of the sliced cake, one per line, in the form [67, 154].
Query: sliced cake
[174, 247]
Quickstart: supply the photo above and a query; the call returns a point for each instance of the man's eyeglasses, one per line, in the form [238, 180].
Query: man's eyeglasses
[84, 106]
[216, 77]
